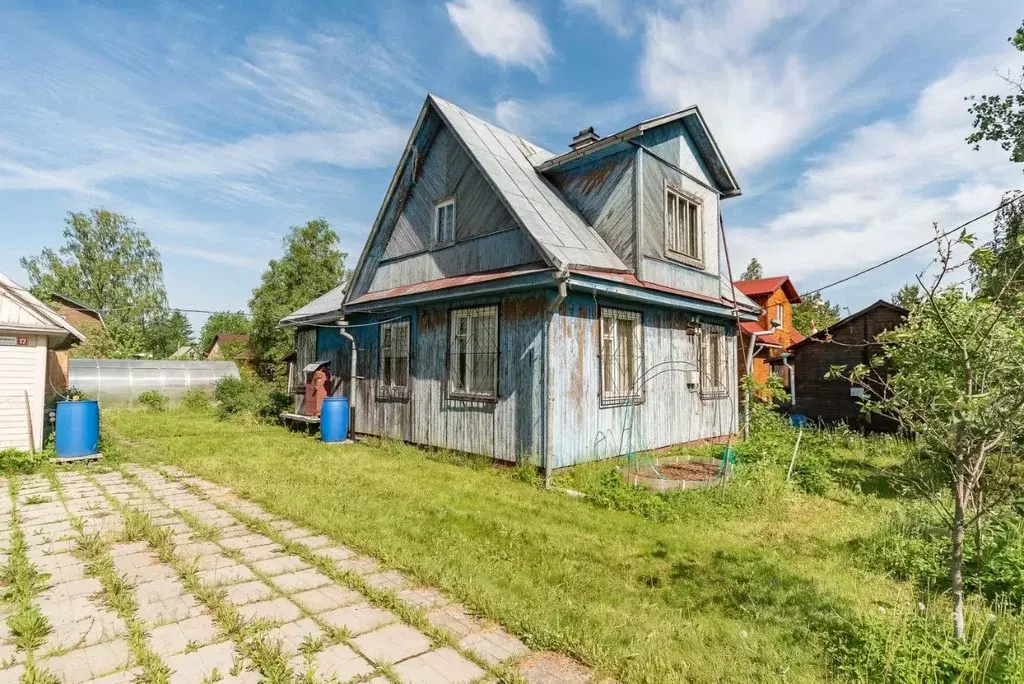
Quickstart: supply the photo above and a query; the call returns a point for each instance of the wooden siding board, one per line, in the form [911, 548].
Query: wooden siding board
[487, 253]
[670, 413]
[602, 191]
[673, 143]
[828, 400]
[507, 429]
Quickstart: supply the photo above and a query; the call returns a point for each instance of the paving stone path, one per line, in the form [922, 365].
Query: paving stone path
[153, 575]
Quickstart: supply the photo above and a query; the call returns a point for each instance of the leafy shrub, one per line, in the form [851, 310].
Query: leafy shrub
[249, 396]
[195, 399]
[917, 646]
[153, 400]
[917, 547]
[18, 461]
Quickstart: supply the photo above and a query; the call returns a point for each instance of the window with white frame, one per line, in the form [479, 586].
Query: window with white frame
[444, 221]
[621, 355]
[779, 313]
[473, 353]
[394, 359]
[683, 227]
[714, 361]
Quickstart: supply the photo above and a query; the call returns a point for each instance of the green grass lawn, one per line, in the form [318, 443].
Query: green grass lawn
[754, 583]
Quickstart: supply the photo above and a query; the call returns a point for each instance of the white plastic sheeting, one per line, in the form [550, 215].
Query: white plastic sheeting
[120, 381]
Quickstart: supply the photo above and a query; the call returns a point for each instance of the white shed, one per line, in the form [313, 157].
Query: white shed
[28, 328]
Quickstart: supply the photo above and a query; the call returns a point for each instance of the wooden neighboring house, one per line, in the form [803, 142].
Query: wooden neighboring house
[28, 331]
[771, 335]
[83, 317]
[551, 308]
[231, 347]
[849, 342]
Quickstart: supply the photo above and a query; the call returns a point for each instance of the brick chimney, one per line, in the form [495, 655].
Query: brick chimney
[585, 137]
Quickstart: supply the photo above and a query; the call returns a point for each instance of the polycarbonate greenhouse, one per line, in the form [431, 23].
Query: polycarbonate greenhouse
[120, 381]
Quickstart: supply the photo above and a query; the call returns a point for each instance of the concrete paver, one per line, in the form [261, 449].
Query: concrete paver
[392, 644]
[90, 638]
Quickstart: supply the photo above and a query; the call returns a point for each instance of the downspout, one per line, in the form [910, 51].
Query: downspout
[792, 379]
[351, 378]
[562, 281]
[750, 363]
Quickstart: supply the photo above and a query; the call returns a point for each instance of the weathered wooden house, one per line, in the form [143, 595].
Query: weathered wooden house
[532, 306]
[767, 339]
[851, 341]
[29, 330]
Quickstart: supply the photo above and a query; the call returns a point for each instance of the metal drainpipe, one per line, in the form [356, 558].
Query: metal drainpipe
[750, 363]
[351, 379]
[792, 379]
[562, 280]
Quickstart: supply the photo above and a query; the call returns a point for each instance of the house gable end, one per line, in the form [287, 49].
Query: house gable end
[401, 249]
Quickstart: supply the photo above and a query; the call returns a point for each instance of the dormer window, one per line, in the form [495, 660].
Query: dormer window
[683, 234]
[444, 221]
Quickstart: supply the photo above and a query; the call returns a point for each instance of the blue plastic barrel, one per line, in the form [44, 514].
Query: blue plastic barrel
[78, 428]
[334, 419]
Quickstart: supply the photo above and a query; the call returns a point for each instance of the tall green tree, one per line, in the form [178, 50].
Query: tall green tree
[753, 271]
[814, 312]
[107, 262]
[1007, 250]
[168, 331]
[1000, 118]
[907, 296]
[222, 322]
[311, 266]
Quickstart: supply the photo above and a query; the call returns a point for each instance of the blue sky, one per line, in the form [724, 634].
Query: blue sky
[217, 126]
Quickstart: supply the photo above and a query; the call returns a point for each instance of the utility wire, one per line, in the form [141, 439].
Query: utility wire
[913, 249]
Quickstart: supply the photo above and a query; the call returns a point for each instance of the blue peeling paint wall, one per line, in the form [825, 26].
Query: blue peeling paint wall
[582, 429]
[509, 428]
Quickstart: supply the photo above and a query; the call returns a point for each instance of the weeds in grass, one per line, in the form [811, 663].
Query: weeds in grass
[117, 594]
[22, 582]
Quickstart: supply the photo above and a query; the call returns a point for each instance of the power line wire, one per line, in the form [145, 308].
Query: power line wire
[913, 249]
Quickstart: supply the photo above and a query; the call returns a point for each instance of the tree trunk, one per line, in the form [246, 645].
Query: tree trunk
[956, 574]
[979, 535]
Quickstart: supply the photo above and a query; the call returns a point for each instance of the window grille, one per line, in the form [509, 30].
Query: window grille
[714, 362]
[473, 353]
[682, 226]
[394, 360]
[444, 221]
[621, 355]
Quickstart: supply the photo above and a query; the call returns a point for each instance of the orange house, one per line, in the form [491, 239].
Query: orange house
[773, 333]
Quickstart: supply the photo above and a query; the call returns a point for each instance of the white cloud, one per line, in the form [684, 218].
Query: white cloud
[878, 191]
[611, 13]
[768, 73]
[560, 117]
[502, 30]
[223, 258]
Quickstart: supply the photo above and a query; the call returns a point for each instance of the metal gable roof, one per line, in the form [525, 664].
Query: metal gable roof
[507, 161]
[53, 322]
[327, 305]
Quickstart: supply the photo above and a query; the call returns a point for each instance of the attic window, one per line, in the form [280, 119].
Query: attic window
[444, 221]
[683, 234]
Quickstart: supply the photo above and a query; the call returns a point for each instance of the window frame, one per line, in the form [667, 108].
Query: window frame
[780, 315]
[391, 391]
[469, 313]
[438, 206]
[673, 192]
[708, 331]
[609, 396]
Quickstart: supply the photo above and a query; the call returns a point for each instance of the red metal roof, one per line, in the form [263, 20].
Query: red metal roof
[763, 287]
[231, 337]
[795, 337]
[446, 283]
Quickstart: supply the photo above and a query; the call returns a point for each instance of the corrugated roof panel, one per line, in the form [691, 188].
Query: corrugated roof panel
[329, 302]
